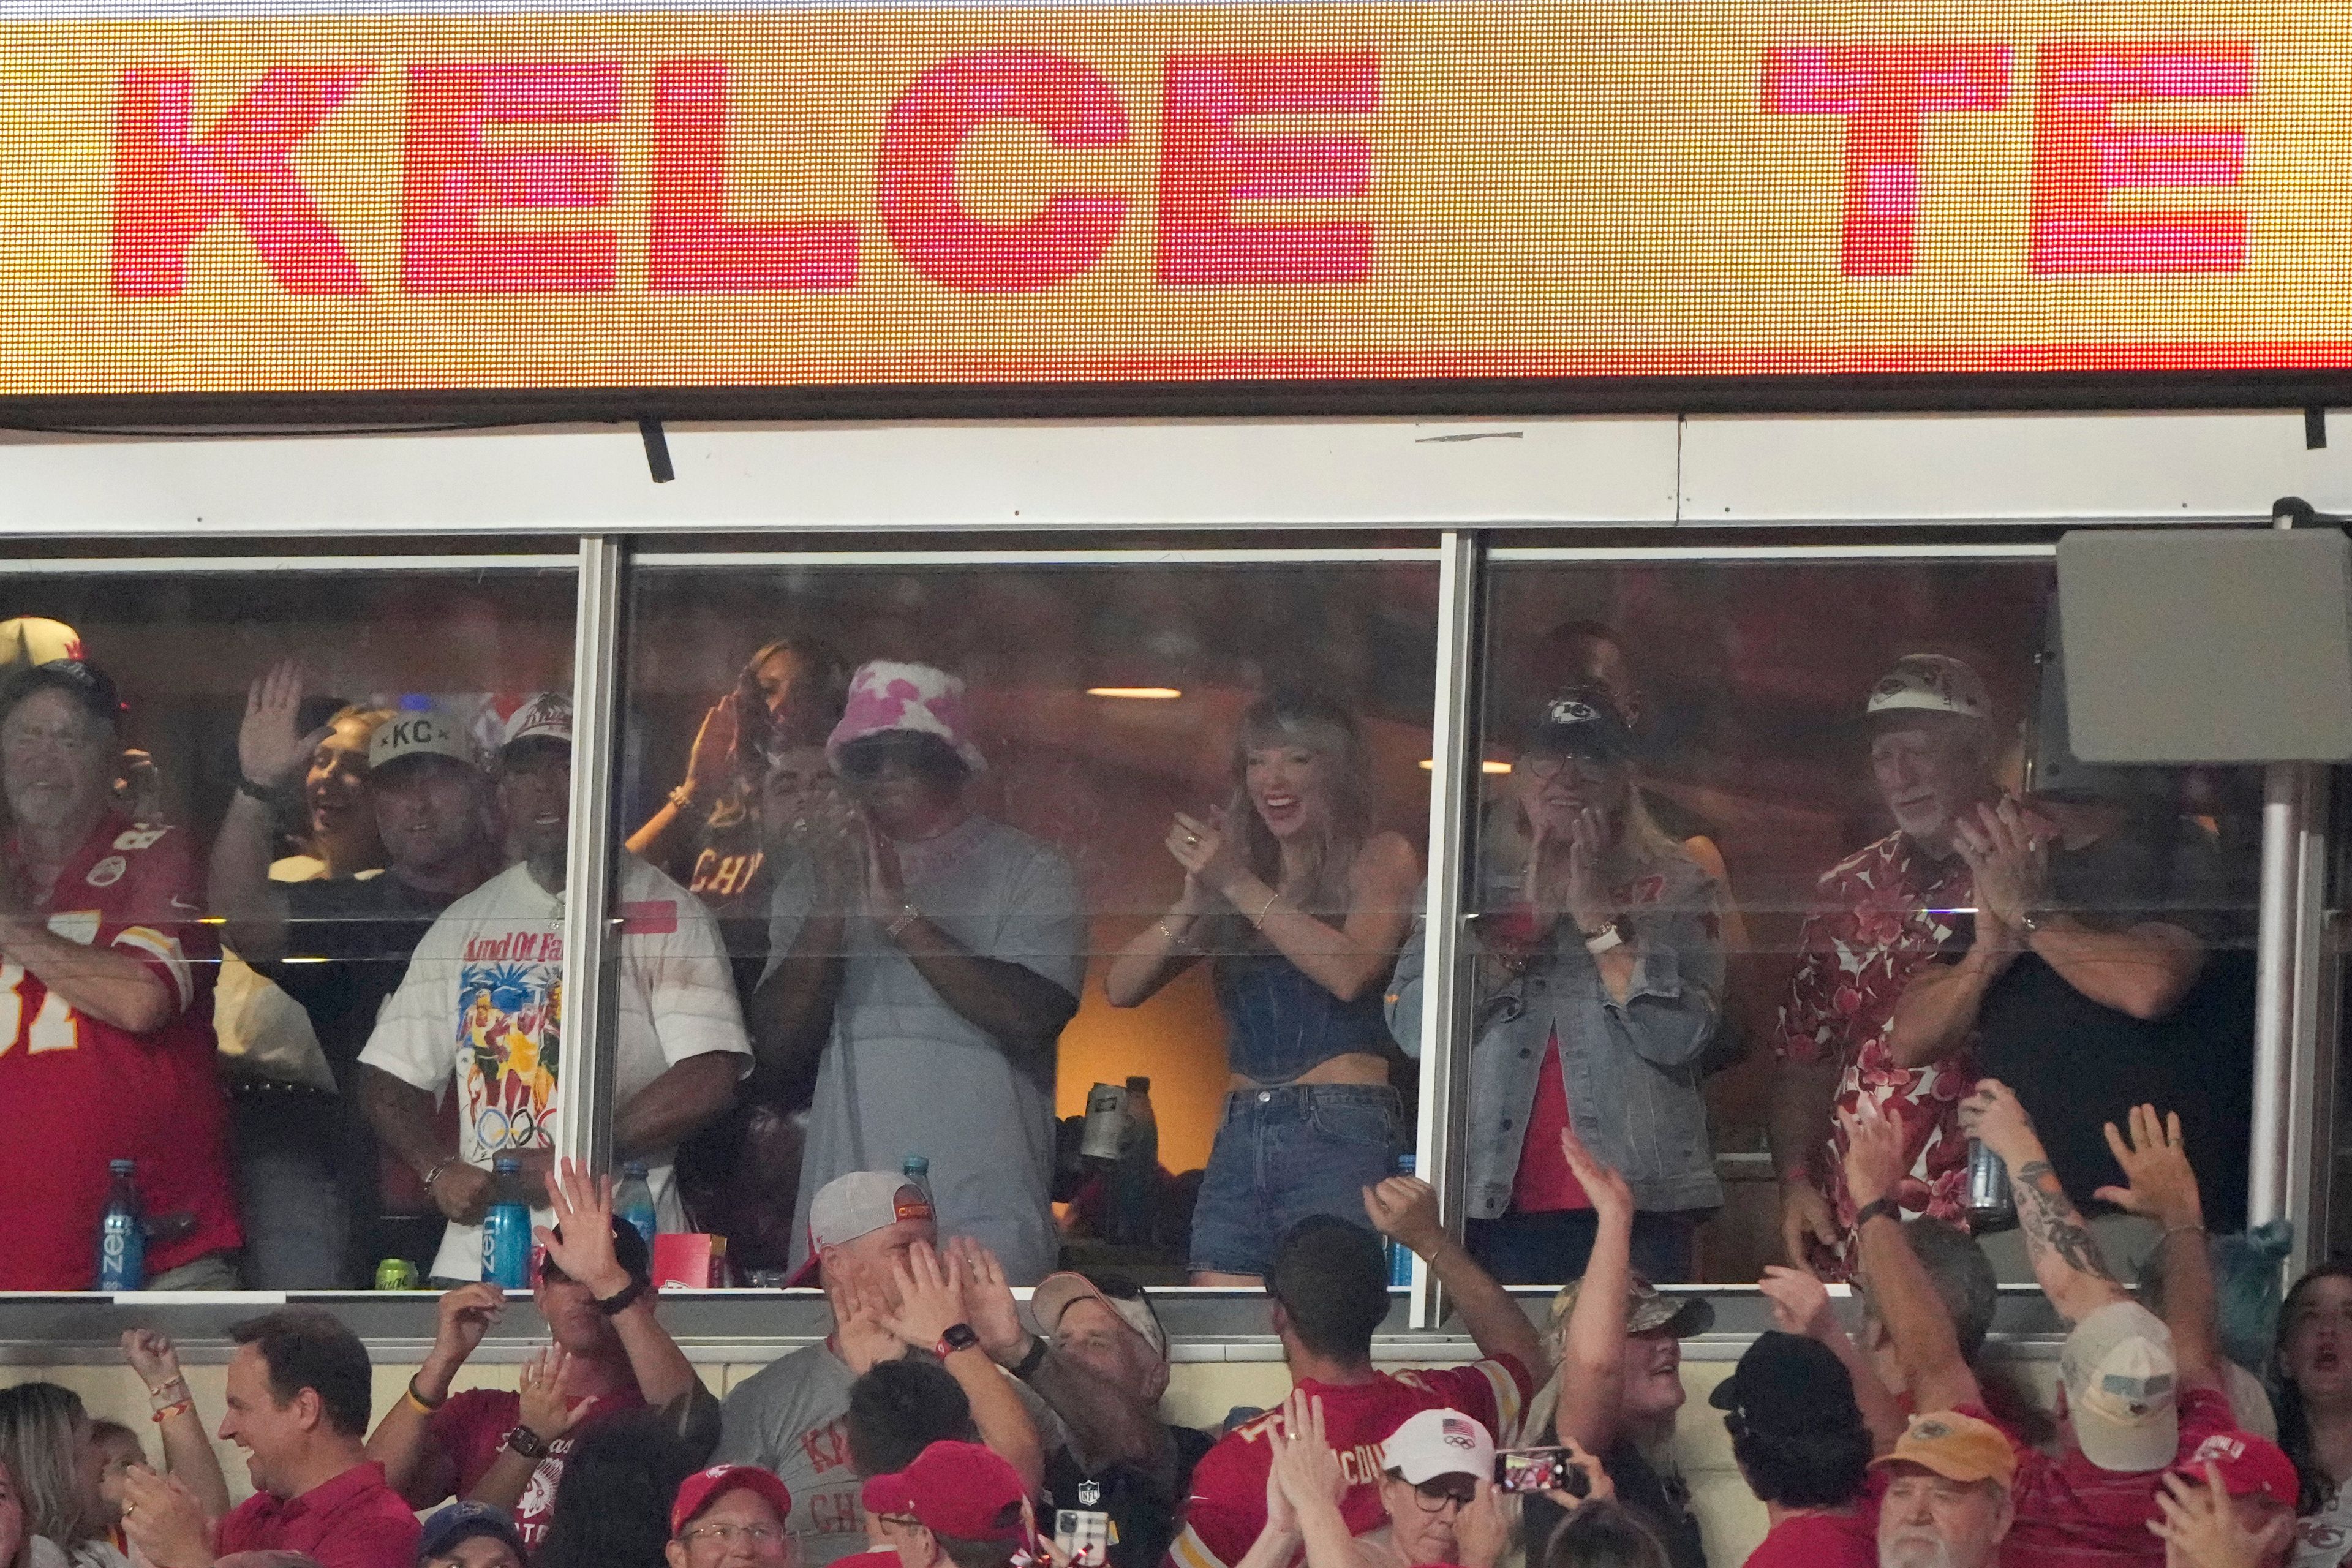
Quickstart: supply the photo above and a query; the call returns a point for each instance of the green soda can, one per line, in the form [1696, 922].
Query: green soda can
[395, 1274]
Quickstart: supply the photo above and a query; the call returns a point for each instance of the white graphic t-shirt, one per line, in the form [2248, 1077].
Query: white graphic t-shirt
[482, 1005]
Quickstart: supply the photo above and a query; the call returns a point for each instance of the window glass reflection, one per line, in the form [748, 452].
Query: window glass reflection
[949, 840]
[1889, 878]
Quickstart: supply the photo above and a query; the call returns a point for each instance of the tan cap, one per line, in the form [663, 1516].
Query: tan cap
[2122, 1389]
[1929, 683]
[1956, 1446]
[1057, 1293]
[421, 732]
[30, 640]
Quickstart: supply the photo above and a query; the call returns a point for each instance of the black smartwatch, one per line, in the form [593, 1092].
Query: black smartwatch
[526, 1442]
[620, 1302]
[958, 1337]
[1876, 1206]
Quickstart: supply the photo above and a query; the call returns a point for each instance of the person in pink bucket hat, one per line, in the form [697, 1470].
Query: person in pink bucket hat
[937, 950]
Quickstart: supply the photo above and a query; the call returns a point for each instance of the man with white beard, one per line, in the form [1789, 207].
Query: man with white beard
[1945, 1503]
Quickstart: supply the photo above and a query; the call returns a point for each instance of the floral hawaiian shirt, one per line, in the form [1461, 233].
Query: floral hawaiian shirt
[1880, 916]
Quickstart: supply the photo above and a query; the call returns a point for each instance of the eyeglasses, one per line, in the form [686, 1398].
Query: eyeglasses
[1433, 1495]
[758, 1537]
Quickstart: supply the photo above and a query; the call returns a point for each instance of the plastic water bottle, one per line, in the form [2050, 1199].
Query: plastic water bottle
[121, 1233]
[506, 1229]
[1401, 1257]
[635, 1202]
[917, 1168]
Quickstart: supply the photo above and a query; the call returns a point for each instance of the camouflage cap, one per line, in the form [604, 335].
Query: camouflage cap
[1646, 1309]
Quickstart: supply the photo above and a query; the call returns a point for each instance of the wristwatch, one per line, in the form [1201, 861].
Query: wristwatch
[958, 1337]
[621, 1301]
[527, 1443]
[1029, 1363]
[1597, 943]
[1872, 1209]
[2033, 920]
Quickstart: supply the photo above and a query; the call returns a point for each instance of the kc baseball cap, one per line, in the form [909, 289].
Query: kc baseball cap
[2249, 1466]
[1956, 1446]
[28, 640]
[1057, 1293]
[1645, 1309]
[1433, 1443]
[856, 1204]
[546, 717]
[1580, 721]
[421, 734]
[957, 1489]
[459, 1522]
[703, 1488]
[1929, 683]
[1786, 1383]
[2121, 1385]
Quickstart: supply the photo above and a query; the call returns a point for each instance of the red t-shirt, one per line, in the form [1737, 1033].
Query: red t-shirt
[1820, 1540]
[472, 1426]
[2072, 1514]
[352, 1522]
[1545, 1183]
[82, 1091]
[1227, 1508]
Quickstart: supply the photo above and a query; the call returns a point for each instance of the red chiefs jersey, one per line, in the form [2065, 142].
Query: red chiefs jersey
[1227, 1508]
[81, 1092]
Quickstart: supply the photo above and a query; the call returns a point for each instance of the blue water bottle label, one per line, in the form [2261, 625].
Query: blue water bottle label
[122, 1254]
[506, 1246]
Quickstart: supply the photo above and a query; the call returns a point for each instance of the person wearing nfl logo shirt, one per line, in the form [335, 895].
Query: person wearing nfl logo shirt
[1327, 1294]
[2140, 1394]
[482, 1005]
[611, 1357]
[106, 1039]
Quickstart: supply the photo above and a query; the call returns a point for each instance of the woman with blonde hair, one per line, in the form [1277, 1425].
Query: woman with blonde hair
[1599, 965]
[1299, 903]
[54, 1462]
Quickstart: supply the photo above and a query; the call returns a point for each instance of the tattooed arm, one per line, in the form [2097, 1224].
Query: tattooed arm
[2065, 1257]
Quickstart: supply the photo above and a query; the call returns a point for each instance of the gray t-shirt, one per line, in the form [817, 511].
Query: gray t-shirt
[793, 1417]
[905, 1074]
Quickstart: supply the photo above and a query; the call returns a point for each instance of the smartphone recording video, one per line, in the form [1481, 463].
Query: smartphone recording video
[1541, 1471]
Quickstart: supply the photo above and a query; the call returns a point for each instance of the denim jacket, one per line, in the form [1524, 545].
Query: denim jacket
[1631, 1068]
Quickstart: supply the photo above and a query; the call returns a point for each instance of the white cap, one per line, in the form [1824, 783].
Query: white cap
[1433, 1443]
[419, 733]
[2121, 1388]
[1930, 683]
[546, 717]
[856, 1204]
[1057, 1293]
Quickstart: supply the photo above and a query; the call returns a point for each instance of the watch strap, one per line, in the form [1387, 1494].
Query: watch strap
[1875, 1208]
[958, 1337]
[621, 1301]
[1034, 1359]
[526, 1442]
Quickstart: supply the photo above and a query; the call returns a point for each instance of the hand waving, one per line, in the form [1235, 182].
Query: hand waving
[1604, 1184]
[930, 1299]
[269, 747]
[988, 1301]
[2154, 1162]
[546, 1409]
[583, 1214]
[1874, 1154]
[861, 1311]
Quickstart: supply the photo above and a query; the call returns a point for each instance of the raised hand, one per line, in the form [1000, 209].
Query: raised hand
[1603, 1183]
[931, 1299]
[1208, 849]
[270, 748]
[1874, 1154]
[711, 766]
[153, 1357]
[546, 1410]
[988, 1301]
[1800, 1303]
[2155, 1164]
[861, 1311]
[1405, 1209]
[2007, 859]
[583, 1213]
[1483, 1529]
[465, 1315]
[1590, 903]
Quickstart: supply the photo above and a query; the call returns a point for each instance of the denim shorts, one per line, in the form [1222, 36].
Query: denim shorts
[1282, 1155]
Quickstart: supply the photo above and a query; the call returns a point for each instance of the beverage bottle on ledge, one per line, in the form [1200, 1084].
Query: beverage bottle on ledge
[122, 1233]
[506, 1229]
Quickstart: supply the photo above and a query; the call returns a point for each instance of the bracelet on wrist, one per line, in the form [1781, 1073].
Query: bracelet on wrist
[433, 1173]
[1038, 1346]
[1258, 919]
[2195, 1227]
[170, 1391]
[426, 1406]
[1875, 1209]
[267, 794]
[908, 915]
[177, 1407]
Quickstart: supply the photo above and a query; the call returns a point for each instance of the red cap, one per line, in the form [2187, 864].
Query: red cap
[2249, 1465]
[704, 1487]
[958, 1489]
